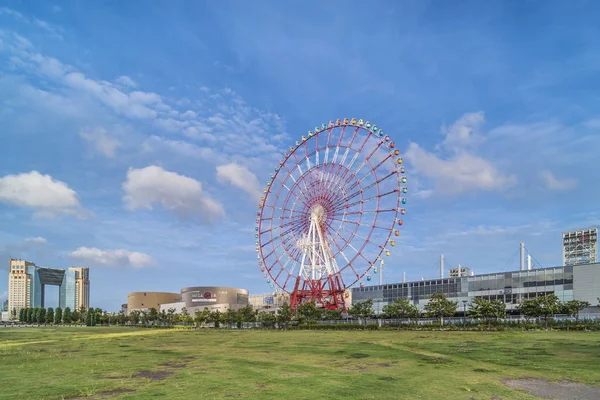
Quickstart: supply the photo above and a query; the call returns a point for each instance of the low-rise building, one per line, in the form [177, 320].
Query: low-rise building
[578, 282]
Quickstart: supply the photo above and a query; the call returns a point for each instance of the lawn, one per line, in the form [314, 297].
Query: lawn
[143, 363]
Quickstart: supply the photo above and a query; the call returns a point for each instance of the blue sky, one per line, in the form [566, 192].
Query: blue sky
[136, 135]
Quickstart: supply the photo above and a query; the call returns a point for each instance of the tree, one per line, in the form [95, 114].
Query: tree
[75, 316]
[134, 317]
[284, 315]
[487, 309]
[50, 316]
[185, 316]
[439, 307]
[58, 315]
[573, 307]
[362, 310]
[246, 314]
[153, 315]
[332, 315]
[528, 308]
[22, 313]
[201, 317]
[401, 308]
[309, 312]
[216, 317]
[29, 316]
[13, 313]
[230, 317]
[67, 316]
[171, 315]
[547, 306]
[41, 316]
[89, 318]
[267, 319]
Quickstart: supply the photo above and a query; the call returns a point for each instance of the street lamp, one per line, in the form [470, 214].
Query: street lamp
[464, 313]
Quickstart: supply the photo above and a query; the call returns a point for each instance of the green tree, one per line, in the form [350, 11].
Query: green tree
[362, 310]
[89, 318]
[58, 315]
[153, 315]
[573, 307]
[284, 315]
[34, 314]
[439, 307]
[331, 314]
[50, 316]
[309, 312]
[162, 317]
[267, 319]
[29, 316]
[246, 314]
[171, 315]
[487, 310]
[134, 317]
[67, 315]
[230, 317]
[401, 308]
[216, 317]
[547, 306]
[22, 313]
[528, 309]
[185, 316]
[201, 317]
[41, 316]
[75, 316]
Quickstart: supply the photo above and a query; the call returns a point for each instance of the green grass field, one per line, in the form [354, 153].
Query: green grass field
[207, 364]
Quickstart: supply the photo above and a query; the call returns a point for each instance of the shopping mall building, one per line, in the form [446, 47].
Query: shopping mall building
[571, 282]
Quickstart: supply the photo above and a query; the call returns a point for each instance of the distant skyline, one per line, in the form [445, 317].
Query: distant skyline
[137, 136]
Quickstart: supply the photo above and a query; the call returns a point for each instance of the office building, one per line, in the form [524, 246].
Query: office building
[571, 282]
[580, 247]
[27, 282]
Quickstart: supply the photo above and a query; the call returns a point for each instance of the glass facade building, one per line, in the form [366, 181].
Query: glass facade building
[510, 287]
[67, 295]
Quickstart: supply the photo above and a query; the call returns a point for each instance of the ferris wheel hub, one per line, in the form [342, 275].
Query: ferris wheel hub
[318, 213]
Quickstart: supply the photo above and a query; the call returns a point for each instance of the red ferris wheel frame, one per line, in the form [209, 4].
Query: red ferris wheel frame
[321, 199]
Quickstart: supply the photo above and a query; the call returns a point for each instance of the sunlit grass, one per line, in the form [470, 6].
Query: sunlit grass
[207, 364]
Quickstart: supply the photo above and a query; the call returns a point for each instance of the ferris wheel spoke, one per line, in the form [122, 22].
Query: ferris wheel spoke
[340, 251]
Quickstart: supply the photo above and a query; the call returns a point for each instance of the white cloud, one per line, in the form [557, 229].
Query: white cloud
[99, 138]
[41, 192]
[241, 177]
[464, 132]
[111, 258]
[126, 81]
[554, 183]
[460, 170]
[159, 145]
[177, 193]
[36, 240]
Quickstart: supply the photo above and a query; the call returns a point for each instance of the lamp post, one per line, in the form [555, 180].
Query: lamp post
[465, 313]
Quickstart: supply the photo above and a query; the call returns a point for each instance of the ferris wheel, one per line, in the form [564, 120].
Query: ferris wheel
[330, 212]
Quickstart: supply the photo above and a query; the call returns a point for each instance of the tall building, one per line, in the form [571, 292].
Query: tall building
[19, 285]
[75, 290]
[27, 282]
[580, 247]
